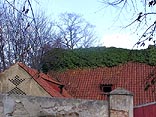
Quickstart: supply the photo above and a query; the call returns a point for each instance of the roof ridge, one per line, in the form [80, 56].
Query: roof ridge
[40, 73]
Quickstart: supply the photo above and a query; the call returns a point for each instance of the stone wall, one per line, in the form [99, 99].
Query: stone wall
[119, 104]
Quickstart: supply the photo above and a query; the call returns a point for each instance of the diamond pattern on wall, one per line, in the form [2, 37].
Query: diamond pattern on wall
[16, 90]
[16, 81]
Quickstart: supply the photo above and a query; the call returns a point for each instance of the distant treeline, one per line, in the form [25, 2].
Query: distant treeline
[62, 59]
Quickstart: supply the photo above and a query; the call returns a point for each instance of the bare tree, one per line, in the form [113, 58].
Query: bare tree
[74, 32]
[22, 39]
[142, 14]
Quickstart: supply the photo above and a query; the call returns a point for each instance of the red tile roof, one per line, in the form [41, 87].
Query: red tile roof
[46, 82]
[85, 83]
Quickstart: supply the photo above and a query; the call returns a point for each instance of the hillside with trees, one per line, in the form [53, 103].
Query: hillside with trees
[62, 59]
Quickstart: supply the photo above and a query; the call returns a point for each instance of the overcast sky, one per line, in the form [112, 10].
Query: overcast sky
[108, 24]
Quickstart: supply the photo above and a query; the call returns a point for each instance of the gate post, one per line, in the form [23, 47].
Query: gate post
[120, 103]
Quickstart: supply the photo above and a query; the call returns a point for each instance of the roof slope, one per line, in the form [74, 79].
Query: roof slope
[46, 82]
[85, 83]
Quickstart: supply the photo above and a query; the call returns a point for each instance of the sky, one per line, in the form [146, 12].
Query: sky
[108, 24]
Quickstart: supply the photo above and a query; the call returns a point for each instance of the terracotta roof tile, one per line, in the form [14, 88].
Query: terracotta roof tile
[85, 83]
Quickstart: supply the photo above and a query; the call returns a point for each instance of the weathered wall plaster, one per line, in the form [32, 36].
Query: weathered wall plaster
[118, 105]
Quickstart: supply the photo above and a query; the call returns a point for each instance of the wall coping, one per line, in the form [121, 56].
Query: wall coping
[146, 104]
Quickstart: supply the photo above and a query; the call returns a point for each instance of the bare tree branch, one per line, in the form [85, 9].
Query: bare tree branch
[74, 31]
[19, 10]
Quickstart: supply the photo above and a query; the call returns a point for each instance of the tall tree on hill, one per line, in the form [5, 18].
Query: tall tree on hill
[74, 31]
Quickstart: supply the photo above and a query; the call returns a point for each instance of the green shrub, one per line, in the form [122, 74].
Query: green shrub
[61, 59]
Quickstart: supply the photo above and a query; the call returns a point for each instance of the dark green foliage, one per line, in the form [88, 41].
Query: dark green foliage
[61, 59]
[138, 56]
[151, 55]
